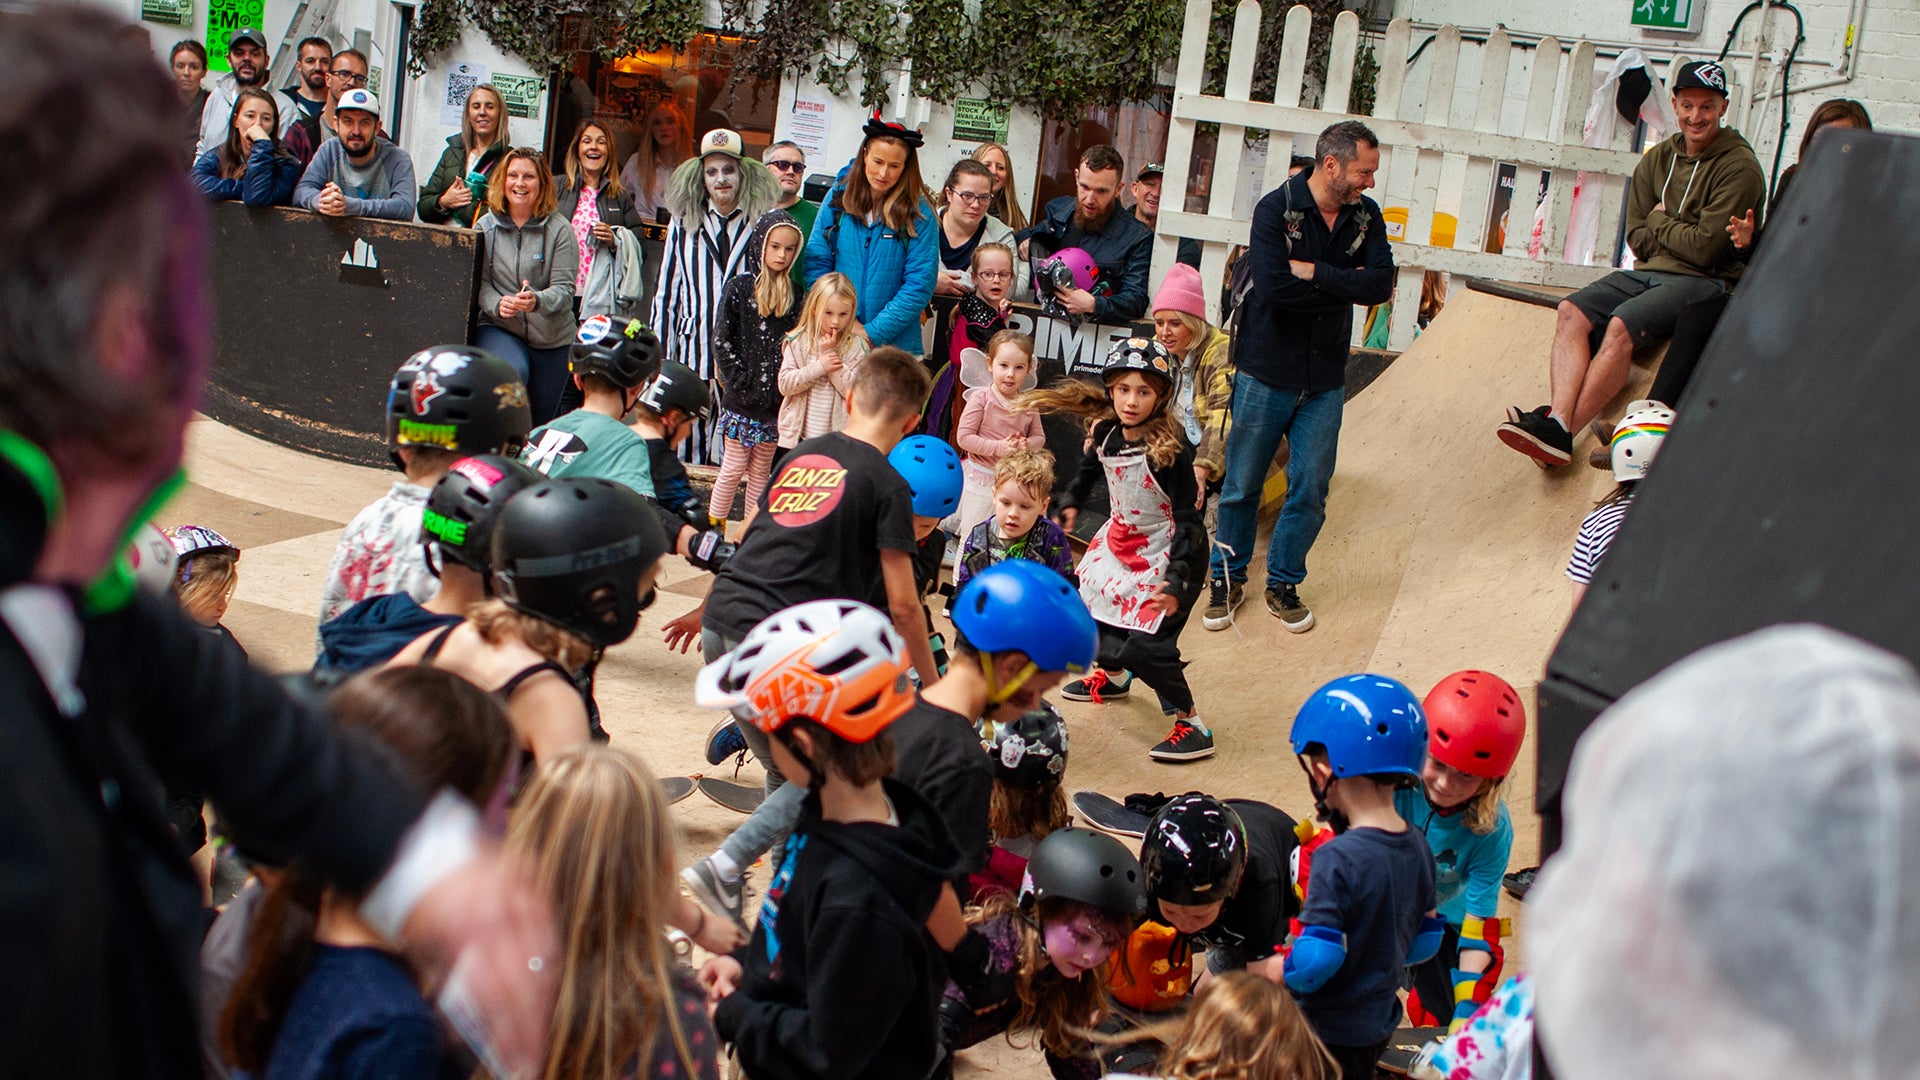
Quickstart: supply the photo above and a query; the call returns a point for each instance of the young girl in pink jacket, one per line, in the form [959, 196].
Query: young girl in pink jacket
[989, 426]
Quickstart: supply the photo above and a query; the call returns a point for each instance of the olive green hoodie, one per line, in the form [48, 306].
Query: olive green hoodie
[1678, 206]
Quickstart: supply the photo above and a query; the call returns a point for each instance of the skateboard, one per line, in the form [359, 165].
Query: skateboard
[676, 787]
[1107, 815]
[1398, 1058]
[732, 794]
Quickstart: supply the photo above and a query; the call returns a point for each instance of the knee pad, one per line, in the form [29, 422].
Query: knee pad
[1317, 956]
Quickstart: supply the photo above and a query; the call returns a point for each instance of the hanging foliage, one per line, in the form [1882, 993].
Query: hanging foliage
[547, 35]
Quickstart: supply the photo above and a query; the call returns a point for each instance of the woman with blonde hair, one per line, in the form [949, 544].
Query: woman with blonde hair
[594, 828]
[666, 140]
[530, 261]
[1006, 198]
[1241, 1027]
[458, 188]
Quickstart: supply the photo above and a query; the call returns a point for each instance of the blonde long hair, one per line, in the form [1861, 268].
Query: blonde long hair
[645, 161]
[1060, 1011]
[808, 331]
[495, 622]
[1483, 810]
[1006, 204]
[773, 292]
[1080, 397]
[609, 172]
[594, 825]
[468, 139]
[543, 203]
[1241, 1027]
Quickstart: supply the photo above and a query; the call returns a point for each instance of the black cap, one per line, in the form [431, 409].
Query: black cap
[1701, 75]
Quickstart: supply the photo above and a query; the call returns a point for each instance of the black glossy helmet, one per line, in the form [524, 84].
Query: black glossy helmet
[1088, 866]
[676, 387]
[1031, 750]
[1144, 355]
[626, 356]
[459, 398]
[1195, 851]
[572, 552]
[466, 503]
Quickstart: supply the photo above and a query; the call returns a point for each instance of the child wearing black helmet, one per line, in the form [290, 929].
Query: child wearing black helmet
[1036, 966]
[1217, 873]
[445, 403]
[609, 365]
[456, 529]
[1143, 571]
[1029, 756]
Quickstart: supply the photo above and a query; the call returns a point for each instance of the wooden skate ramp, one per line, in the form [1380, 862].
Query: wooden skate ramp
[1442, 550]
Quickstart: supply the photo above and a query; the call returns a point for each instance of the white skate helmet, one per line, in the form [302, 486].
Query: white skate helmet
[1638, 437]
[838, 663]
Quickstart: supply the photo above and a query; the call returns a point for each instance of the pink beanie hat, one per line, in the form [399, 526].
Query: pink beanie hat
[1180, 291]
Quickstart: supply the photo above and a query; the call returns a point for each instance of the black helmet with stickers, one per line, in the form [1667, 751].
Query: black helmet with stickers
[625, 354]
[1145, 356]
[676, 387]
[465, 504]
[1195, 851]
[1090, 867]
[573, 551]
[459, 398]
[1031, 750]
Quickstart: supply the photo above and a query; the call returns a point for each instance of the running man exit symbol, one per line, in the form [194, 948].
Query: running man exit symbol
[1675, 15]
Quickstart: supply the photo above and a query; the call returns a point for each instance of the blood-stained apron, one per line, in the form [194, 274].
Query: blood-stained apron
[1127, 559]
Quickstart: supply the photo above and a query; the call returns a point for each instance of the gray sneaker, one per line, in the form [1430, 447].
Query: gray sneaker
[1222, 601]
[725, 898]
[1283, 603]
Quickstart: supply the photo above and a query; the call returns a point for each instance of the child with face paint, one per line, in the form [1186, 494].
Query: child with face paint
[1475, 725]
[716, 199]
[1036, 965]
[1141, 599]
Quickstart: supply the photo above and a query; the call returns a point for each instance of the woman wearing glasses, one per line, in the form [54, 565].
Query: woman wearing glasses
[965, 225]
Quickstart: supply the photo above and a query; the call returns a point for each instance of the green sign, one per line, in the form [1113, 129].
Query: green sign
[522, 93]
[1675, 15]
[979, 120]
[223, 18]
[167, 12]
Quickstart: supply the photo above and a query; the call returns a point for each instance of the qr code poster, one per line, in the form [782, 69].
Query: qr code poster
[461, 79]
[522, 94]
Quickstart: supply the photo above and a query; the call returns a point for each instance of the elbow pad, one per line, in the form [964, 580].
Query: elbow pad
[1426, 943]
[709, 550]
[1478, 934]
[1317, 956]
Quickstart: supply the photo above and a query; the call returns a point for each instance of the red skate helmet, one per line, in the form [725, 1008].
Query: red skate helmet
[1475, 723]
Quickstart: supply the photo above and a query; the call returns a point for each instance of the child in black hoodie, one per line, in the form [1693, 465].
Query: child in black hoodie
[841, 978]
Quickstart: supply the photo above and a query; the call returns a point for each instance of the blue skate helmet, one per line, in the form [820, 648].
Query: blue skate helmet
[1369, 725]
[932, 470]
[1022, 606]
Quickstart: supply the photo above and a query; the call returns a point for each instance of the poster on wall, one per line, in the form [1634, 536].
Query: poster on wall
[522, 94]
[1500, 207]
[977, 120]
[167, 12]
[808, 125]
[461, 79]
[223, 18]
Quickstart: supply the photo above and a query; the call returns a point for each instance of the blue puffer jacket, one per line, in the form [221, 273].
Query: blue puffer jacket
[893, 274]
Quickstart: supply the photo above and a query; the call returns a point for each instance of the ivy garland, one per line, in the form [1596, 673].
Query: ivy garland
[547, 34]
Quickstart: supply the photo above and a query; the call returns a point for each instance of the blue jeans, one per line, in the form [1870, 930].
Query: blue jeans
[1262, 416]
[543, 370]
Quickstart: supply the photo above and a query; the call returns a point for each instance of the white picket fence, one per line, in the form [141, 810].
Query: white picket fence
[1426, 162]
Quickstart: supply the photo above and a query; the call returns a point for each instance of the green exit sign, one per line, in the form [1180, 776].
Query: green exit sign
[1671, 16]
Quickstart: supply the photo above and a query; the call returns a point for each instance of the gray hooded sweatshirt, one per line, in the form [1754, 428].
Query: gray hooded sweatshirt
[543, 253]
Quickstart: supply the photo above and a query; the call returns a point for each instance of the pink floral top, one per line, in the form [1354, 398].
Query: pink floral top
[585, 216]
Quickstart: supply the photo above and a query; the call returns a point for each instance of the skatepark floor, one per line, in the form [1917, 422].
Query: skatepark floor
[1442, 550]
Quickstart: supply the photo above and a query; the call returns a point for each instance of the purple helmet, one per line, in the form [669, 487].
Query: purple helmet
[1068, 267]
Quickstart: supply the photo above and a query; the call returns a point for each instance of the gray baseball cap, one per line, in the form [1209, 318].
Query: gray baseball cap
[247, 33]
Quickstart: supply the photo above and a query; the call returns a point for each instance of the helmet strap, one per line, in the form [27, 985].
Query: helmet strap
[1335, 819]
[997, 694]
[785, 735]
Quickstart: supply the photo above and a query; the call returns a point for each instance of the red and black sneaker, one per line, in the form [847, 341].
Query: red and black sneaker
[1539, 436]
[1099, 687]
[1186, 742]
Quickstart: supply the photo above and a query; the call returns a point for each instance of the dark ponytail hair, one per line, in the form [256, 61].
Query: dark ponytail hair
[451, 734]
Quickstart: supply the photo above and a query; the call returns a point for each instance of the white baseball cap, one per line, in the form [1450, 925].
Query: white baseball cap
[723, 141]
[361, 99]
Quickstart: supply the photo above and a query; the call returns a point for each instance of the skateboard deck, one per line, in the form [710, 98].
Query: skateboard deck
[1109, 815]
[677, 787]
[732, 794]
[1405, 1045]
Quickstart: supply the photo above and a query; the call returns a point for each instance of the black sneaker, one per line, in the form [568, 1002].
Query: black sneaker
[1283, 603]
[724, 741]
[1222, 601]
[1520, 882]
[1539, 436]
[727, 899]
[1099, 687]
[1185, 742]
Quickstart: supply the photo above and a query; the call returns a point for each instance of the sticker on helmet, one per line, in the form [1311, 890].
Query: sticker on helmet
[595, 330]
[426, 389]
[807, 490]
[477, 471]
[512, 395]
[1013, 749]
[415, 433]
